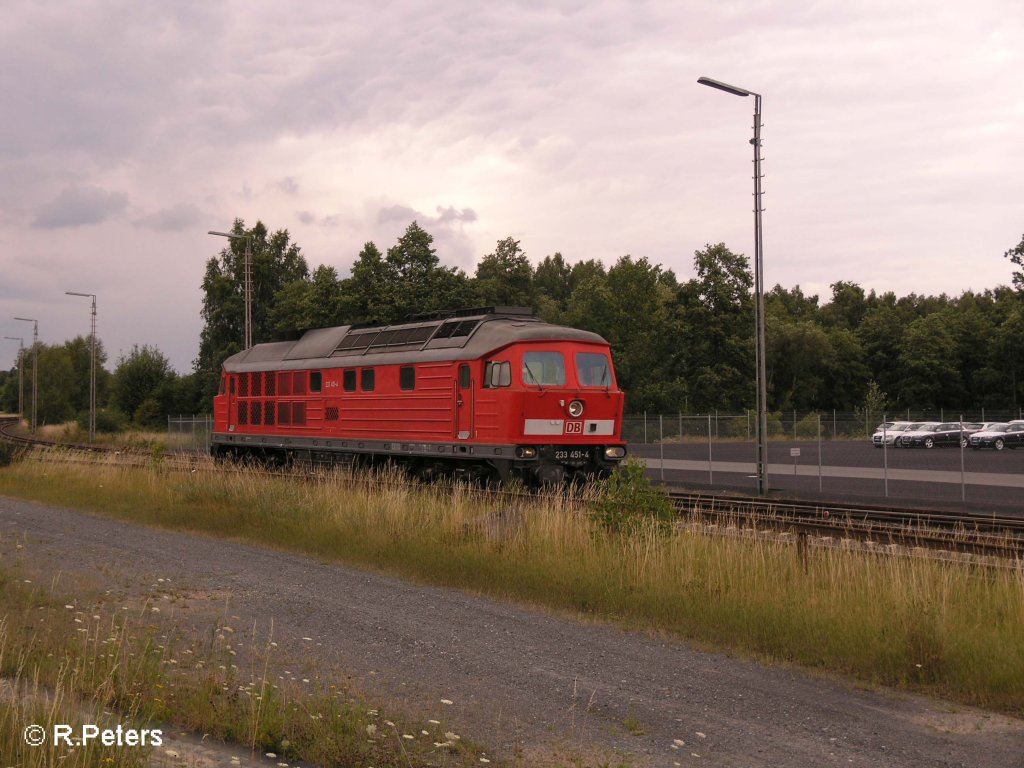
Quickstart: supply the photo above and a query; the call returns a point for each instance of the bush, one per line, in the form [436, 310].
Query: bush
[108, 420]
[627, 500]
[808, 425]
[150, 414]
[9, 453]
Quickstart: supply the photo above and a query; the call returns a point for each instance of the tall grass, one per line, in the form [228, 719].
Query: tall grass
[951, 629]
[89, 662]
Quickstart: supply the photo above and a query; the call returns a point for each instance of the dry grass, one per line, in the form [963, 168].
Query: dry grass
[85, 659]
[950, 629]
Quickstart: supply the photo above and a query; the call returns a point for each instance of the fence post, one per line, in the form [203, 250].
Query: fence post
[645, 427]
[963, 483]
[711, 472]
[885, 457]
[819, 452]
[661, 444]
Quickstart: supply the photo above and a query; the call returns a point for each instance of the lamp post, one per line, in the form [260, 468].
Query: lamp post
[21, 373]
[92, 363]
[246, 282]
[759, 355]
[35, 368]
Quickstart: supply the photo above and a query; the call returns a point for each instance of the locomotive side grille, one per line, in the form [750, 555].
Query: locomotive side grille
[271, 386]
[284, 414]
[269, 408]
[257, 413]
[299, 383]
[298, 414]
[284, 384]
[243, 385]
[257, 384]
[331, 413]
[243, 413]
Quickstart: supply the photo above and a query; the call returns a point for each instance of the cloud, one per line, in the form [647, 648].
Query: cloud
[78, 206]
[289, 185]
[446, 216]
[453, 244]
[176, 218]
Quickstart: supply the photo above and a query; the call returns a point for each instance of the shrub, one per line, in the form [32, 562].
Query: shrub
[627, 500]
[108, 420]
[9, 453]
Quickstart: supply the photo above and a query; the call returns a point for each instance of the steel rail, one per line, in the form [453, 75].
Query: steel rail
[989, 535]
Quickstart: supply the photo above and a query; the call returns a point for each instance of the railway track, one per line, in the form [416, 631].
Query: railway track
[987, 535]
[976, 534]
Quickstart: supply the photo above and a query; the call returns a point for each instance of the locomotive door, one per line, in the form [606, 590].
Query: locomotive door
[232, 403]
[464, 404]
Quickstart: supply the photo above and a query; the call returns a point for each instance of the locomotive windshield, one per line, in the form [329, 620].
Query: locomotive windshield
[544, 368]
[593, 369]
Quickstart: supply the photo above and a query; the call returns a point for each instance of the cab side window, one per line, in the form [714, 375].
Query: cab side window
[498, 374]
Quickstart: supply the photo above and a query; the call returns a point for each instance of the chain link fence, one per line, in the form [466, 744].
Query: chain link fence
[835, 425]
[828, 454]
[189, 434]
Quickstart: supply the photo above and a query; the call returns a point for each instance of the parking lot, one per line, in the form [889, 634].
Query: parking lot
[846, 469]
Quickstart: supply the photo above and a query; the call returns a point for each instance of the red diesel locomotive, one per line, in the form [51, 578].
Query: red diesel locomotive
[482, 394]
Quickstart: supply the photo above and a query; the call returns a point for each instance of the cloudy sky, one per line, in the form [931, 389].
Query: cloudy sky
[892, 141]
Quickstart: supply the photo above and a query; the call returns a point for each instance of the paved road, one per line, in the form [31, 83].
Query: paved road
[850, 470]
[521, 678]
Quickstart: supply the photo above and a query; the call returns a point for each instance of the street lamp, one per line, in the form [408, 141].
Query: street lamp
[92, 364]
[35, 368]
[759, 355]
[21, 373]
[246, 282]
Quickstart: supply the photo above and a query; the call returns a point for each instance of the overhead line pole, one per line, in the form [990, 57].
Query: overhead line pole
[35, 369]
[761, 430]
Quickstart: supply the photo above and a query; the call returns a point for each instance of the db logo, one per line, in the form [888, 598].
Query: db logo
[574, 427]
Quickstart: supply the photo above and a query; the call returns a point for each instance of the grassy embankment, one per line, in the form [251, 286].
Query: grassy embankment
[88, 659]
[945, 628]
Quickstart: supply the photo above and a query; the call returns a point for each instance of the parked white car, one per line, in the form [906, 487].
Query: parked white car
[890, 430]
[902, 438]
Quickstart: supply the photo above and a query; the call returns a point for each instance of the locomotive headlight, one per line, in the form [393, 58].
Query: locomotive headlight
[614, 452]
[526, 452]
[576, 408]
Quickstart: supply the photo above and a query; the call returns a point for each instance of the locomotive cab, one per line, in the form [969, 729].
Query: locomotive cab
[562, 405]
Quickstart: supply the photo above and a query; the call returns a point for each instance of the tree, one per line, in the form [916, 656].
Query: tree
[56, 385]
[370, 287]
[421, 283]
[276, 262]
[929, 376]
[632, 307]
[1016, 256]
[717, 313]
[505, 277]
[847, 308]
[320, 302]
[80, 353]
[800, 356]
[141, 375]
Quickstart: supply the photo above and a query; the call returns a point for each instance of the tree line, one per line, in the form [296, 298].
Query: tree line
[677, 344]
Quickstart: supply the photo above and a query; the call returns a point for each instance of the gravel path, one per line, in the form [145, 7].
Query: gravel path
[522, 681]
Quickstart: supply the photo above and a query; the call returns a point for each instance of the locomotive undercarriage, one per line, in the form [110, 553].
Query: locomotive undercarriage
[545, 465]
